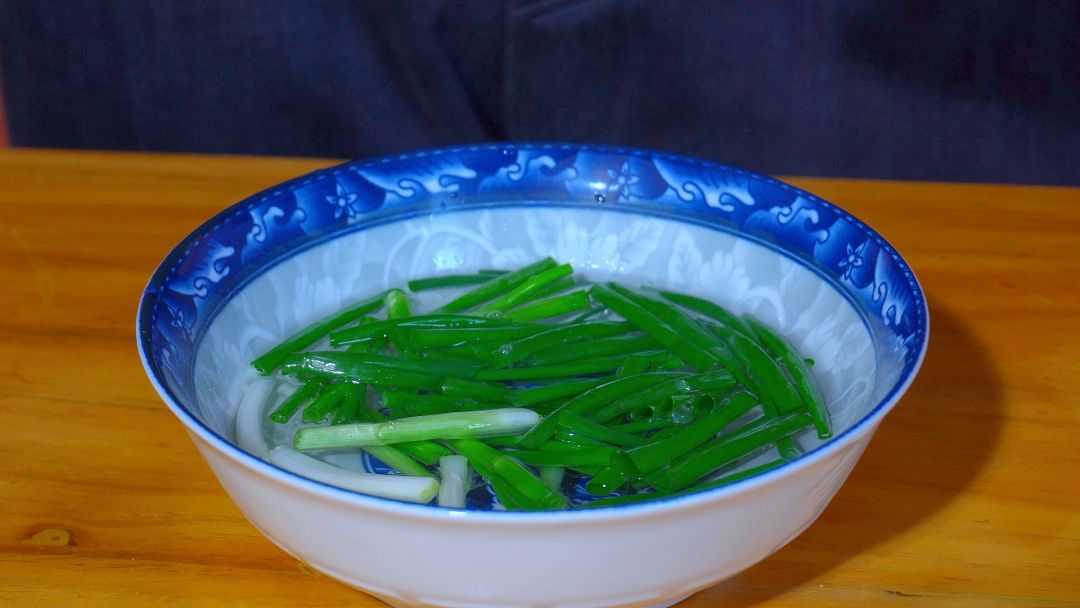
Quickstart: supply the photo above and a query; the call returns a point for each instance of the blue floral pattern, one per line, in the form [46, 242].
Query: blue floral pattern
[853, 260]
[343, 202]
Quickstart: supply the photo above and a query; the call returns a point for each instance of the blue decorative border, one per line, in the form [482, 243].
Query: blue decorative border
[219, 257]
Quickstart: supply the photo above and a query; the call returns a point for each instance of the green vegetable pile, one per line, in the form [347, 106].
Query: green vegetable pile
[540, 382]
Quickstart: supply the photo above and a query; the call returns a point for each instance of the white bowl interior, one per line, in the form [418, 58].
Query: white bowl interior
[743, 275]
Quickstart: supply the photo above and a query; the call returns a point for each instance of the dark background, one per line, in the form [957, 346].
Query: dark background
[917, 89]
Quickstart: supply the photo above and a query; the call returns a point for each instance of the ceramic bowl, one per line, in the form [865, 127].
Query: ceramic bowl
[269, 265]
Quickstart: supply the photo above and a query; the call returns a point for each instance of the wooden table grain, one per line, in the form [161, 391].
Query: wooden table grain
[969, 495]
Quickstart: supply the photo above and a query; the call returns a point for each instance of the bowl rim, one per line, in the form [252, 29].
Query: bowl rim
[565, 516]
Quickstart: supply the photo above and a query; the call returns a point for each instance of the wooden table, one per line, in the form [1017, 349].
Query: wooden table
[968, 496]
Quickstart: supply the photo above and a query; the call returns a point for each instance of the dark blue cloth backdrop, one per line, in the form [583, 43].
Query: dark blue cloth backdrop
[914, 89]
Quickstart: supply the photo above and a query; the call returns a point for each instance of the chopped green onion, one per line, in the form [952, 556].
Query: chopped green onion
[583, 427]
[427, 452]
[522, 348]
[493, 464]
[380, 329]
[403, 405]
[458, 387]
[717, 379]
[408, 409]
[288, 408]
[685, 326]
[325, 403]
[551, 307]
[427, 365]
[397, 304]
[588, 401]
[397, 459]
[273, 358]
[556, 390]
[338, 368]
[564, 435]
[800, 373]
[585, 457]
[588, 314]
[354, 399]
[709, 309]
[642, 426]
[648, 458]
[612, 477]
[722, 481]
[685, 349]
[696, 464]
[454, 336]
[488, 423]
[400, 487]
[498, 286]
[634, 365]
[583, 367]
[768, 375]
[553, 288]
[452, 280]
[553, 477]
[526, 291]
[453, 470]
[641, 391]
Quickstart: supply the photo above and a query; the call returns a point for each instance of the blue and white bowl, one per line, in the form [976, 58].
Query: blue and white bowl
[271, 264]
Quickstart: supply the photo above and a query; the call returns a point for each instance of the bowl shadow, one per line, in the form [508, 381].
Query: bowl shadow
[914, 467]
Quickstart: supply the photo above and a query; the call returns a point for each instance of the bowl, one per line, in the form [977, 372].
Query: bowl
[273, 263]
